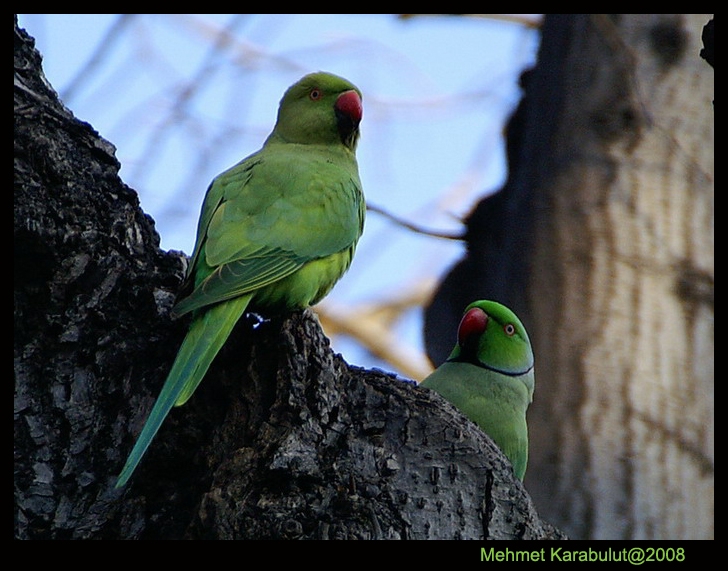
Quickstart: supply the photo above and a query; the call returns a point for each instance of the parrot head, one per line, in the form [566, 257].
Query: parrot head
[321, 108]
[491, 336]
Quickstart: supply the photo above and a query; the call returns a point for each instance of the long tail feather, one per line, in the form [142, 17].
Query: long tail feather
[208, 332]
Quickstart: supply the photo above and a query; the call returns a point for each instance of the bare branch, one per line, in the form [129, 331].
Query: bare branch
[411, 226]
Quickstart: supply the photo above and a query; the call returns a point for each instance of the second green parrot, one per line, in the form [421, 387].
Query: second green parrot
[489, 377]
[276, 232]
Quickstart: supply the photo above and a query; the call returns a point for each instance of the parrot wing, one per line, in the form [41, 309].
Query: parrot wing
[267, 217]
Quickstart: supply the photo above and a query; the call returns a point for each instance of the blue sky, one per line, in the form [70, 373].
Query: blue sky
[437, 92]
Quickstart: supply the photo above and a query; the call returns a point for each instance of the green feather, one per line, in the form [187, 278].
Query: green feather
[276, 232]
[206, 336]
[489, 377]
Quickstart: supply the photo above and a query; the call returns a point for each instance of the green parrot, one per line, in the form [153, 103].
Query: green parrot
[489, 377]
[276, 232]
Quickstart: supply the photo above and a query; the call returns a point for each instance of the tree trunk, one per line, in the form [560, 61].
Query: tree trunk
[622, 286]
[603, 240]
[283, 439]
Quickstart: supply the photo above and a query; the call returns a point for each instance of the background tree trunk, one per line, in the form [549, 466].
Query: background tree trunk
[602, 240]
[282, 440]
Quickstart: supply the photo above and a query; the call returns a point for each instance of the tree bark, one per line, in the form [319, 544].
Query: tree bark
[283, 439]
[602, 239]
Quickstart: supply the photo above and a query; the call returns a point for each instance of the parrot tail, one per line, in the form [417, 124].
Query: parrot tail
[208, 332]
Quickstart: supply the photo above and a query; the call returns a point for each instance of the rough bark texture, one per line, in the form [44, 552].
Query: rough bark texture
[603, 240]
[282, 440]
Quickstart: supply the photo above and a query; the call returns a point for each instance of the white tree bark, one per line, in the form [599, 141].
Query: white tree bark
[622, 428]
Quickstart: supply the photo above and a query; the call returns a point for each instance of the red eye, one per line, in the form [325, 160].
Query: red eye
[509, 329]
[315, 94]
